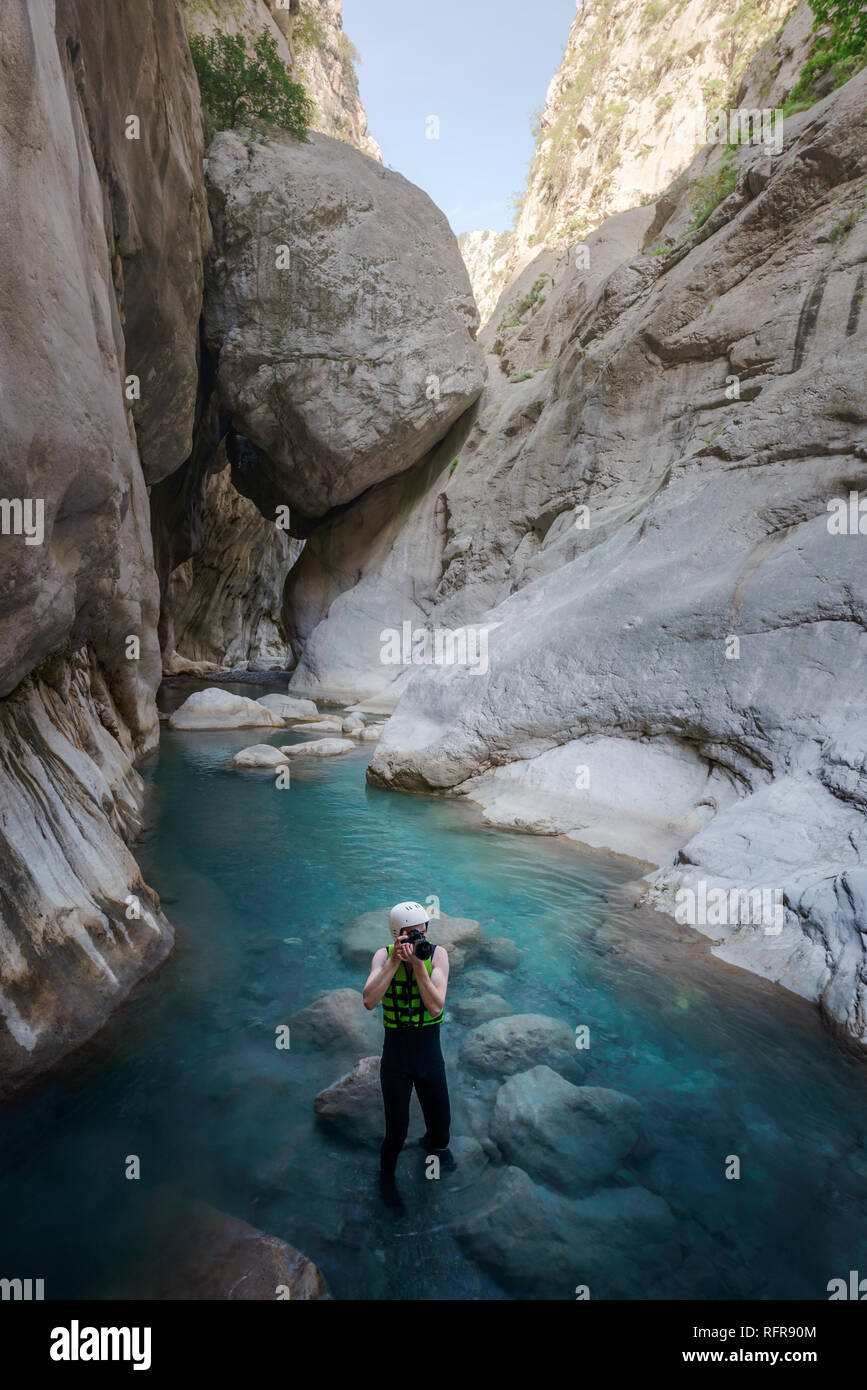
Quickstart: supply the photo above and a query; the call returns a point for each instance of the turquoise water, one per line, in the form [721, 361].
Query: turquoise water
[187, 1076]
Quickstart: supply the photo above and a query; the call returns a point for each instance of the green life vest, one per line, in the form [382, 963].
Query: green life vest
[402, 1004]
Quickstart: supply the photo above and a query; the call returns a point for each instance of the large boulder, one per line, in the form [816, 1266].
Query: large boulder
[340, 316]
[259, 755]
[219, 709]
[514, 1044]
[288, 708]
[570, 1137]
[337, 1021]
[620, 1242]
[480, 1008]
[319, 748]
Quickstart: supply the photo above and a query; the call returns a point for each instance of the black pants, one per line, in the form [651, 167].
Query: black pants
[413, 1057]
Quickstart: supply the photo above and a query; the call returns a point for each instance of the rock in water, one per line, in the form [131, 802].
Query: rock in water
[218, 709]
[569, 1137]
[287, 707]
[353, 1105]
[319, 748]
[259, 755]
[481, 1008]
[508, 1045]
[365, 934]
[337, 1021]
[621, 1241]
[340, 315]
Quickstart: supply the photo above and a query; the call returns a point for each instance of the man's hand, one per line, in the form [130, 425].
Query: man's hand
[405, 951]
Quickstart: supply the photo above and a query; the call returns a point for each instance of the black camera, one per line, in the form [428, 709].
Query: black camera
[419, 943]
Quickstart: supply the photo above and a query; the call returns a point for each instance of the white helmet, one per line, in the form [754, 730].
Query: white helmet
[405, 915]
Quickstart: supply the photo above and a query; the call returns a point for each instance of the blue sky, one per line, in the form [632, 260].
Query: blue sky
[482, 67]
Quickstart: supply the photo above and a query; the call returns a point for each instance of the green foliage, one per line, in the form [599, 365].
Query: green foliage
[453, 467]
[238, 86]
[515, 315]
[709, 192]
[348, 53]
[842, 52]
[654, 11]
[524, 376]
[307, 32]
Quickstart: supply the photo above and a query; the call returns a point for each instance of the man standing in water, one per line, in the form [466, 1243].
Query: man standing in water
[410, 978]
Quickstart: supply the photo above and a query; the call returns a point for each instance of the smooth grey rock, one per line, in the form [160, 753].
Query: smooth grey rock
[508, 1045]
[287, 707]
[460, 936]
[337, 1021]
[353, 1104]
[569, 1137]
[259, 755]
[621, 1242]
[326, 362]
[501, 953]
[319, 748]
[480, 1008]
[220, 709]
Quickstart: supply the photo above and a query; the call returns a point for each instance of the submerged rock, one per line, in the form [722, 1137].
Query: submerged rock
[337, 1021]
[620, 1242]
[570, 1137]
[218, 709]
[508, 1045]
[480, 1008]
[501, 953]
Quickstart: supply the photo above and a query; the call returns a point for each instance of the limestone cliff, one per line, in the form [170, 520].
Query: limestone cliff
[101, 248]
[620, 116]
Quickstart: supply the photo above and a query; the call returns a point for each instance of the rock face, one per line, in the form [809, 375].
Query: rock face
[645, 533]
[225, 600]
[339, 316]
[622, 118]
[78, 927]
[100, 251]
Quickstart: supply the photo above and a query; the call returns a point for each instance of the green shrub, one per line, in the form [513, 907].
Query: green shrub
[238, 87]
[709, 192]
[843, 51]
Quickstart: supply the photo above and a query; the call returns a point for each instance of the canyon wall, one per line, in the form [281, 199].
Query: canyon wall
[620, 119]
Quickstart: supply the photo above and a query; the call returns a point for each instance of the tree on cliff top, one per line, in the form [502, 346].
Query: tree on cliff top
[238, 87]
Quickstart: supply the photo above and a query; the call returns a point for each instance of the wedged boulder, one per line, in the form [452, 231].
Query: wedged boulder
[353, 1104]
[340, 315]
[620, 1242]
[459, 936]
[319, 748]
[481, 1008]
[517, 1043]
[287, 707]
[259, 755]
[337, 1021]
[500, 953]
[219, 709]
[570, 1137]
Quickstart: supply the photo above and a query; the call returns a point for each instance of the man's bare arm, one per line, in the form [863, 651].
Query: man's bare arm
[432, 987]
[382, 973]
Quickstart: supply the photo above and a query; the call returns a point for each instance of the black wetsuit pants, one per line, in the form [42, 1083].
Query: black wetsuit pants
[413, 1057]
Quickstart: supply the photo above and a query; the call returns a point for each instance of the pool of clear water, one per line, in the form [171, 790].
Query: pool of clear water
[260, 883]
